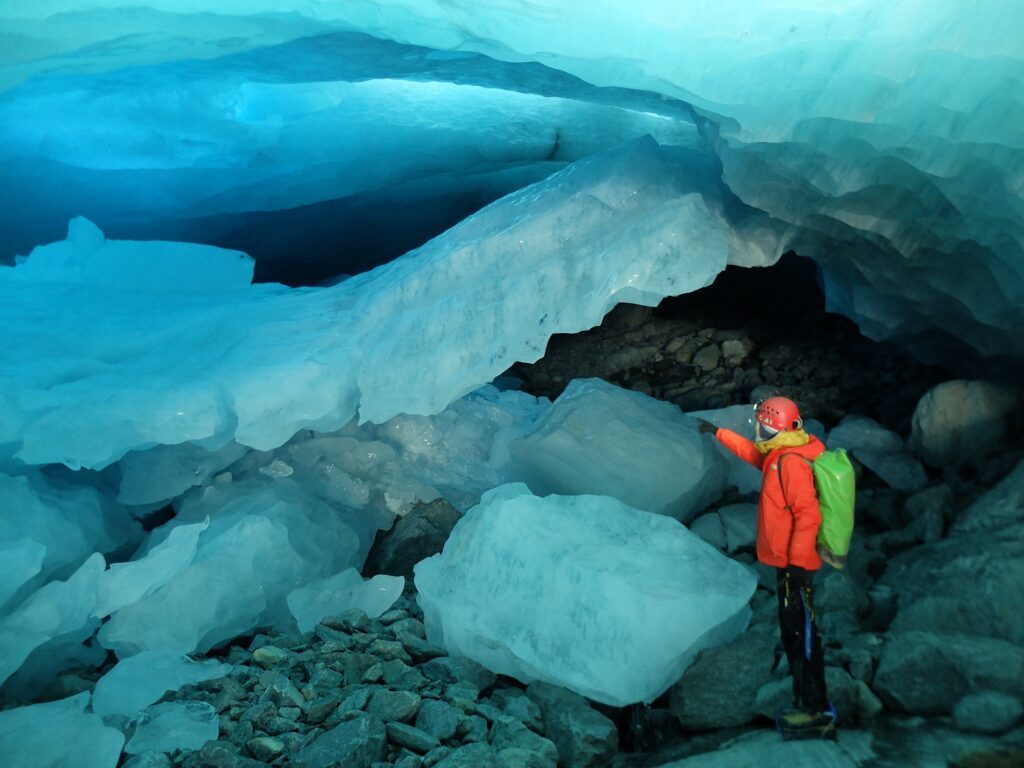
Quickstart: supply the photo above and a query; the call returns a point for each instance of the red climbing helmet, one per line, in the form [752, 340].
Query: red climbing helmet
[779, 414]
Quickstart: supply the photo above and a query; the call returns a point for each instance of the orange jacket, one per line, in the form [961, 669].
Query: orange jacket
[788, 516]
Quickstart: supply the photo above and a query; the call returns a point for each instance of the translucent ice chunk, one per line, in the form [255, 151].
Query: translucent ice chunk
[344, 590]
[58, 733]
[174, 725]
[138, 681]
[600, 439]
[580, 591]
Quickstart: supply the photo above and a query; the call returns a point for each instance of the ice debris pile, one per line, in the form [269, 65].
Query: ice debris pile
[581, 591]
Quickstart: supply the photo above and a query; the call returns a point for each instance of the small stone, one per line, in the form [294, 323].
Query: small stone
[419, 649]
[269, 656]
[320, 709]
[509, 733]
[736, 350]
[408, 626]
[435, 756]
[470, 756]
[389, 650]
[462, 695]
[394, 705]
[473, 729]
[440, 719]
[338, 637]
[452, 669]
[708, 358]
[517, 704]
[351, 620]
[395, 614]
[260, 715]
[408, 760]
[290, 713]
[987, 712]
[374, 674]
[411, 738]
[236, 733]
[265, 748]
[218, 754]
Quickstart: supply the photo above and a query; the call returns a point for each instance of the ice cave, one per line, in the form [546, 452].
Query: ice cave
[381, 379]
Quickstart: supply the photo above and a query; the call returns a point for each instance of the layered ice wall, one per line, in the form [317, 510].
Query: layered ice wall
[164, 364]
[886, 132]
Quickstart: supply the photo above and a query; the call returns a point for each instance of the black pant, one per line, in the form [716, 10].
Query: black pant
[800, 638]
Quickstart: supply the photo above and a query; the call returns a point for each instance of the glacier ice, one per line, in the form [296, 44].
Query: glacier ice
[340, 118]
[261, 540]
[126, 372]
[55, 610]
[337, 593]
[904, 182]
[138, 681]
[58, 733]
[126, 583]
[603, 440]
[48, 528]
[174, 725]
[580, 591]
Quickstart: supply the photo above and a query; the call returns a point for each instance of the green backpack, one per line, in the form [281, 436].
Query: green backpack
[834, 483]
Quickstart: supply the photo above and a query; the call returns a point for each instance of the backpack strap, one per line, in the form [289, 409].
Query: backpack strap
[778, 466]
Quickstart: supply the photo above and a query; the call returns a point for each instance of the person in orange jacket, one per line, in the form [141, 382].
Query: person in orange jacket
[788, 518]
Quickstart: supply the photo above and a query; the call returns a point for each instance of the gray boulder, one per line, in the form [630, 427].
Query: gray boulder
[414, 537]
[987, 712]
[966, 584]
[356, 743]
[999, 507]
[583, 736]
[926, 673]
[718, 689]
[959, 422]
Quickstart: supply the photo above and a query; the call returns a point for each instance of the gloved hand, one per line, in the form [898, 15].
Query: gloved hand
[706, 427]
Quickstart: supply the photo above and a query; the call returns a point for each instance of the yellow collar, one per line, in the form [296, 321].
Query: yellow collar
[783, 440]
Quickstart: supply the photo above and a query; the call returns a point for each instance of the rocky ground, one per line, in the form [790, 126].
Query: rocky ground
[923, 631]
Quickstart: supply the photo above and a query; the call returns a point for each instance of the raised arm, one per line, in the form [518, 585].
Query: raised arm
[741, 446]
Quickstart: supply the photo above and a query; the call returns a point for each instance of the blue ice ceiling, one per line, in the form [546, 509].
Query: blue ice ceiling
[880, 138]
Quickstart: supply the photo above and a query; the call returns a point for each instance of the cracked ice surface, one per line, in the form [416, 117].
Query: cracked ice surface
[129, 370]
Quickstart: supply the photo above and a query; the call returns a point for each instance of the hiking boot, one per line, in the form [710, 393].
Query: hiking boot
[798, 724]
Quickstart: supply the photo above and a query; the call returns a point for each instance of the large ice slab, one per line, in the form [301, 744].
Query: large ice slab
[338, 593]
[57, 609]
[48, 528]
[124, 372]
[174, 725]
[138, 681]
[58, 733]
[261, 540]
[581, 591]
[603, 440]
